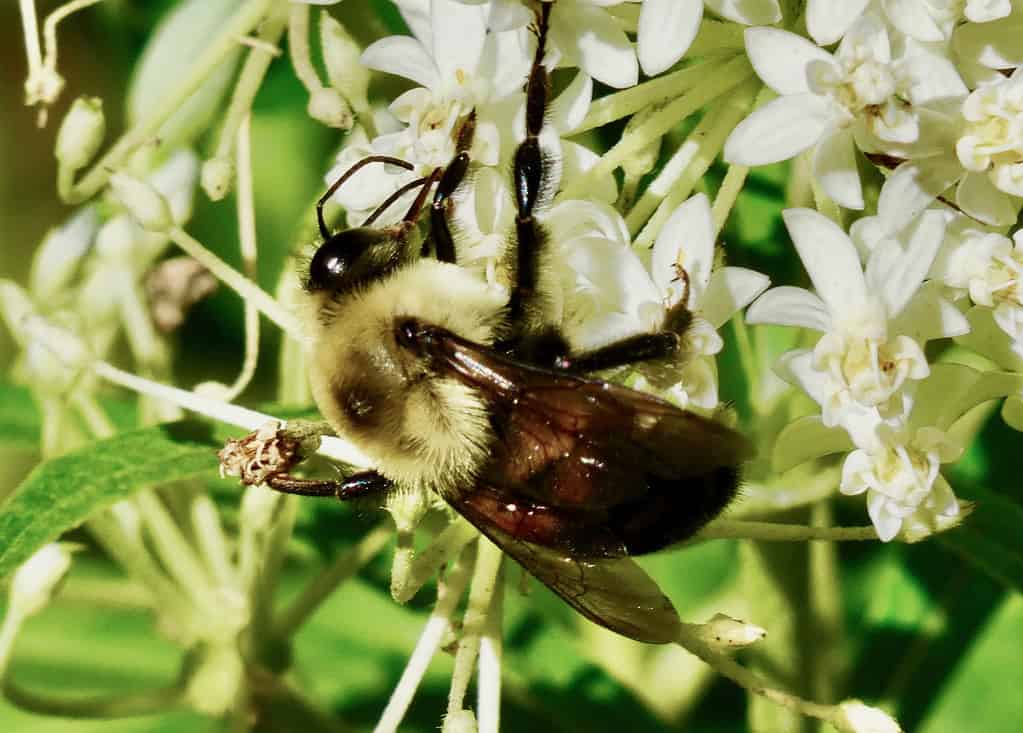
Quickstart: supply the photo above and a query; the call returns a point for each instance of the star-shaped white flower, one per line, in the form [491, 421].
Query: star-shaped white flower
[873, 321]
[861, 96]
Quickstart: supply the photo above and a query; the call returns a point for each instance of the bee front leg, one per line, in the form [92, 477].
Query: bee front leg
[356, 486]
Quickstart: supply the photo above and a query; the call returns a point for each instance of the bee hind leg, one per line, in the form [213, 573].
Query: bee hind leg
[356, 486]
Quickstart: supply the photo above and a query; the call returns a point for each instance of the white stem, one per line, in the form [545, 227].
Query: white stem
[408, 579]
[50, 27]
[212, 541]
[30, 29]
[449, 591]
[250, 256]
[13, 620]
[484, 583]
[246, 288]
[488, 701]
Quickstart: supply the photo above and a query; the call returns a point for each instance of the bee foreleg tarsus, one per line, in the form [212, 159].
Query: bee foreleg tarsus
[440, 210]
[642, 347]
[355, 486]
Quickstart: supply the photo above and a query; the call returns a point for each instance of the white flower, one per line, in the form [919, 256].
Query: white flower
[935, 20]
[668, 27]
[582, 34]
[856, 717]
[866, 354]
[902, 481]
[614, 295]
[992, 138]
[861, 97]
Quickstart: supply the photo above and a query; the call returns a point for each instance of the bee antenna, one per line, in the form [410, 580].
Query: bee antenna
[324, 232]
[394, 197]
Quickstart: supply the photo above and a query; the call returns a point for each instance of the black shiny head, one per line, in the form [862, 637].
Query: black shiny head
[354, 257]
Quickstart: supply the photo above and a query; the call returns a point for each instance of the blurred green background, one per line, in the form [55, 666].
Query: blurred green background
[936, 636]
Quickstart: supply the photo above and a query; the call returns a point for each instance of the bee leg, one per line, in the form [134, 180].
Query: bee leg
[443, 205]
[355, 486]
[528, 182]
[641, 347]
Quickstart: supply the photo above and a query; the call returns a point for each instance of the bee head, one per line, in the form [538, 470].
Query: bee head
[355, 257]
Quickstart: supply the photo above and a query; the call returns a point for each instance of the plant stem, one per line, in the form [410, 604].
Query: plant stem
[449, 592]
[728, 77]
[649, 93]
[122, 705]
[251, 78]
[343, 568]
[488, 704]
[484, 583]
[405, 583]
[777, 532]
[50, 27]
[691, 162]
[243, 21]
[298, 45]
[247, 289]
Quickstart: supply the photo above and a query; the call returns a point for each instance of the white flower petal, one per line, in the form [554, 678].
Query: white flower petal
[666, 30]
[781, 58]
[506, 15]
[458, 31]
[979, 198]
[829, 257]
[747, 12]
[730, 290]
[886, 522]
[828, 20]
[790, 306]
[687, 239]
[834, 165]
[591, 36]
[895, 273]
[404, 56]
[575, 218]
[569, 108]
[911, 17]
[912, 187]
[780, 129]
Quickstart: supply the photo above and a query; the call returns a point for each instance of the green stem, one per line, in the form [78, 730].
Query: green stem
[343, 568]
[243, 21]
[697, 154]
[159, 700]
[251, 78]
[247, 289]
[778, 532]
[656, 91]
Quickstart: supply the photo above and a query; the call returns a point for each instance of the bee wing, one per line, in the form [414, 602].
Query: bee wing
[651, 472]
[613, 592]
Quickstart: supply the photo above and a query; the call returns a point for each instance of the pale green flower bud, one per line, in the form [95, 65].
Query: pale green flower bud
[61, 252]
[116, 239]
[407, 508]
[725, 632]
[143, 202]
[326, 105]
[216, 177]
[214, 685]
[81, 133]
[461, 722]
[643, 160]
[855, 717]
[259, 507]
[34, 582]
[341, 56]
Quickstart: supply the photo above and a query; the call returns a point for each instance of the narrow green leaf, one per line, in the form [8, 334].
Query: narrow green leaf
[61, 493]
[990, 537]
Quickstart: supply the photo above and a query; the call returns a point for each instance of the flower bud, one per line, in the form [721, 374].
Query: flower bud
[216, 177]
[407, 508]
[326, 105]
[61, 252]
[34, 582]
[643, 160]
[853, 716]
[462, 721]
[341, 55]
[216, 682]
[725, 632]
[259, 507]
[116, 239]
[143, 202]
[81, 133]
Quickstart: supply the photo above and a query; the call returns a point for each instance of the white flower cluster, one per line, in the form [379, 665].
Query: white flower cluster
[933, 94]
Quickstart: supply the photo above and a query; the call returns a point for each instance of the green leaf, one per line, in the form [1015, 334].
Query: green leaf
[990, 538]
[61, 493]
[19, 419]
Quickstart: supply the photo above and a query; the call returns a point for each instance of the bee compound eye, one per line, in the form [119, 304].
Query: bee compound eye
[407, 333]
[330, 263]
